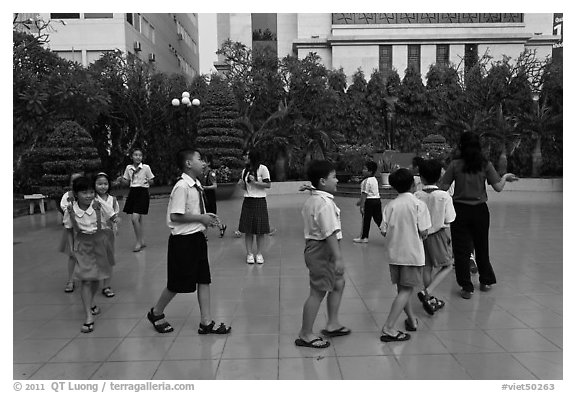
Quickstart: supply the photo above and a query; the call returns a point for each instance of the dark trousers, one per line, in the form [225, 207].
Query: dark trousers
[372, 210]
[470, 232]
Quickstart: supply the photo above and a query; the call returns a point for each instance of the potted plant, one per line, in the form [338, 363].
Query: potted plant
[385, 166]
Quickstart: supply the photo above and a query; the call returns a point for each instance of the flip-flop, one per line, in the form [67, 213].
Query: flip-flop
[400, 336]
[87, 327]
[310, 344]
[342, 331]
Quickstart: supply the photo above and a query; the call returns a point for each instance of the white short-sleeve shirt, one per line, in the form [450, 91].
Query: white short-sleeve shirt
[370, 187]
[138, 176]
[257, 192]
[402, 218]
[185, 198]
[111, 208]
[321, 216]
[439, 205]
[67, 198]
[86, 219]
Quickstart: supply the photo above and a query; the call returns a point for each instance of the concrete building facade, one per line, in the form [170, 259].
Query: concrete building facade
[381, 41]
[169, 42]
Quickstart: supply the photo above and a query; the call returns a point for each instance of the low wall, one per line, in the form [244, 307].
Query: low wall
[534, 185]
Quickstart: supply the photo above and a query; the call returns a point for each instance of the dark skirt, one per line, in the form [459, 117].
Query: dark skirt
[254, 217]
[138, 201]
[187, 262]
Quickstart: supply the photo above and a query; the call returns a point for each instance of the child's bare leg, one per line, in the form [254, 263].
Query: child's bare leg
[427, 276]
[93, 289]
[409, 310]
[260, 243]
[439, 277]
[309, 313]
[249, 240]
[333, 304]
[204, 303]
[87, 298]
[165, 297]
[137, 224]
[71, 264]
[398, 305]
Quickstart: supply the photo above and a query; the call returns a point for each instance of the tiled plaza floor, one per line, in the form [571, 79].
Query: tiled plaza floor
[512, 332]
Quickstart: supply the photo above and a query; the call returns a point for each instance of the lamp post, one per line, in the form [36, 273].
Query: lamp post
[186, 102]
[390, 114]
[537, 151]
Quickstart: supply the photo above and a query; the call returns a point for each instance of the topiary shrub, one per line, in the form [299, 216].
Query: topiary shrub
[218, 132]
[69, 148]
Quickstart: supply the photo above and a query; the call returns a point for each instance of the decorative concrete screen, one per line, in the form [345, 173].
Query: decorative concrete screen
[402, 18]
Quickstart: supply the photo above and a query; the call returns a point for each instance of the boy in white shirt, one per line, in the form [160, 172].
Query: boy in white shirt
[405, 222]
[370, 205]
[322, 254]
[438, 244]
[188, 266]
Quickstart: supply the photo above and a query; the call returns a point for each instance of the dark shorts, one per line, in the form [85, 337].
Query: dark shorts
[322, 268]
[407, 276]
[187, 262]
[438, 249]
[254, 217]
[138, 201]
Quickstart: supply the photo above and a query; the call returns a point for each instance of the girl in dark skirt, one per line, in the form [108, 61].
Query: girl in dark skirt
[139, 177]
[255, 179]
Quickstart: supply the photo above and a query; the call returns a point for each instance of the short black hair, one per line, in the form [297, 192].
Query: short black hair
[134, 150]
[82, 183]
[401, 179]
[371, 166]
[430, 170]
[319, 169]
[417, 161]
[183, 155]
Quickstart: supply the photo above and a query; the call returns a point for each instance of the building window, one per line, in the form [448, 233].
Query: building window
[443, 54]
[137, 22]
[470, 56]
[64, 16]
[264, 32]
[385, 59]
[73, 55]
[414, 57]
[129, 19]
[98, 16]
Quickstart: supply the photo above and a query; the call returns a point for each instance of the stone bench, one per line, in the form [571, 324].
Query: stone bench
[36, 198]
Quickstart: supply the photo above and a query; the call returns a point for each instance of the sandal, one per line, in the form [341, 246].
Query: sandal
[316, 343]
[400, 336]
[209, 329]
[411, 327]
[69, 287]
[87, 327]
[342, 331]
[95, 310]
[162, 327]
[108, 292]
[426, 302]
[237, 234]
[223, 230]
[437, 303]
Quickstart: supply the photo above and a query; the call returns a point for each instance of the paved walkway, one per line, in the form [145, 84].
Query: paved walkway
[513, 332]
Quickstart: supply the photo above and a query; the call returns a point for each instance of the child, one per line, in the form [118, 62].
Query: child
[437, 245]
[67, 199]
[139, 176]
[188, 265]
[370, 205]
[322, 231]
[89, 244]
[110, 204]
[210, 184]
[405, 222]
[415, 168]
[255, 179]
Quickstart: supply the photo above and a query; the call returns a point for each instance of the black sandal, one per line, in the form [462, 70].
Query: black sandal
[108, 292]
[162, 327]
[209, 329]
[87, 327]
[223, 230]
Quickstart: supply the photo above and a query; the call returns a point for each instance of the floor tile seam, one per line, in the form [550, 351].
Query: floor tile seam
[546, 338]
[486, 331]
[71, 362]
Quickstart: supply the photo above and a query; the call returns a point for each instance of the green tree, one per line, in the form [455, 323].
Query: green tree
[218, 131]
